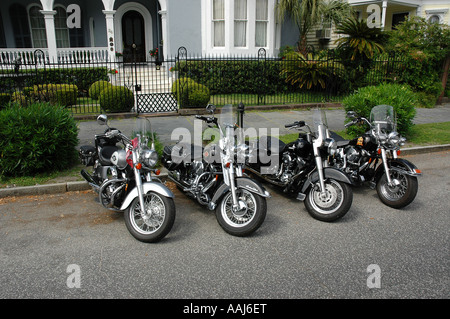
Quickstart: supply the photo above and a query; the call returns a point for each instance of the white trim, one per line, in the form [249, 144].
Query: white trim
[148, 26]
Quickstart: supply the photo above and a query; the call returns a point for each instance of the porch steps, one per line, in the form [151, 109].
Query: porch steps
[149, 78]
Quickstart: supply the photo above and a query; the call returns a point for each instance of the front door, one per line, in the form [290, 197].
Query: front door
[133, 33]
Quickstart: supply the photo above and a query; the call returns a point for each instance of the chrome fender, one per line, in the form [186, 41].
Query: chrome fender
[241, 182]
[158, 188]
[400, 165]
[328, 172]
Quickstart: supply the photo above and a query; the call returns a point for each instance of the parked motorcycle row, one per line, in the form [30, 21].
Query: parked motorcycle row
[319, 168]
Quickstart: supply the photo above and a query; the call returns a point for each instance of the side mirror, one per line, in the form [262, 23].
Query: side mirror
[351, 114]
[102, 119]
[211, 108]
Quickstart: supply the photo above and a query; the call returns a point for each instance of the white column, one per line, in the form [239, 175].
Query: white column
[109, 16]
[166, 48]
[51, 36]
[383, 15]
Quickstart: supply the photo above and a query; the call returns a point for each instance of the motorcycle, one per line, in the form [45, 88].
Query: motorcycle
[214, 177]
[373, 157]
[122, 177]
[298, 168]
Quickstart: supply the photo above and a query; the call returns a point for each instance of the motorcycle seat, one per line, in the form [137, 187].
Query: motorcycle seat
[340, 141]
[105, 154]
[185, 150]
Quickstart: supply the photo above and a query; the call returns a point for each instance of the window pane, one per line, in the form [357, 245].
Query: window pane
[219, 34]
[61, 31]
[37, 24]
[240, 31]
[218, 9]
[261, 10]
[240, 9]
[261, 34]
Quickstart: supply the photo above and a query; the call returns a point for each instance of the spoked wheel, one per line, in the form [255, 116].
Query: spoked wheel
[400, 193]
[155, 222]
[244, 220]
[332, 204]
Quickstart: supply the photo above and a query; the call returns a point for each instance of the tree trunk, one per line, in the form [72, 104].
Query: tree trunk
[444, 79]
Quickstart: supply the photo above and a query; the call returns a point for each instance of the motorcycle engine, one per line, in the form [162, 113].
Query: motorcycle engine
[291, 164]
[353, 156]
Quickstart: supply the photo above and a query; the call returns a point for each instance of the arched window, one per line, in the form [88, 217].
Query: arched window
[434, 19]
[37, 25]
[61, 30]
[21, 29]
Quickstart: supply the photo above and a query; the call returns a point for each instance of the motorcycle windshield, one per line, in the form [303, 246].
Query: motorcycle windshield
[143, 131]
[227, 117]
[320, 124]
[382, 118]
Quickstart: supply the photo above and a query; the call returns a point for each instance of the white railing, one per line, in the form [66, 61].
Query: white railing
[65, 56]
[82, 55]
[24, 56]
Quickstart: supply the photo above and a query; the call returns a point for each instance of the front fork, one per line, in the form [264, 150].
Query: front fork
[391, 183]
[137, 176]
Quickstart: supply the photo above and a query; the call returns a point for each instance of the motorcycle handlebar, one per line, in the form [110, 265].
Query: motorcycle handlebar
[297, 123]
[206, 119]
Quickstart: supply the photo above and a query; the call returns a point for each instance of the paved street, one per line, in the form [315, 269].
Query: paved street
[291, 256]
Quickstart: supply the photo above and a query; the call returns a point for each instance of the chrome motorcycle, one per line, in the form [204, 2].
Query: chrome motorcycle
[298, 168]
[122, 177]
[213, 176]
[374, 158]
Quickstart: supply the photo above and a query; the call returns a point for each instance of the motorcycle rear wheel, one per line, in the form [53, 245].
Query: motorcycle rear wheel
[248, 220]
[156, 223]
[332, 205]
[400, 195]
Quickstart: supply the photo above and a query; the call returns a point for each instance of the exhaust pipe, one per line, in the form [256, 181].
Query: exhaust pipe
[88, 177]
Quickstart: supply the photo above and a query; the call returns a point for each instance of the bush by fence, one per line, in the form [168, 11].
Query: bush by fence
[35, 139]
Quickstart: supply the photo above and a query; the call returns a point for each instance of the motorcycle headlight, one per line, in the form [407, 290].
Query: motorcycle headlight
[149, 157]
[394, 138]
[331, 145]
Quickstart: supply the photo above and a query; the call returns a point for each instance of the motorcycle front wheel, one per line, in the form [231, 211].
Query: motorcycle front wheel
[332, 204]
[247, 219]
[399, 195]
[157, 220]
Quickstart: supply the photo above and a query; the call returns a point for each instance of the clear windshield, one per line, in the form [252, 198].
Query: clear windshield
[382, 119]
[227, 116]
[143, 130]
[320, 124]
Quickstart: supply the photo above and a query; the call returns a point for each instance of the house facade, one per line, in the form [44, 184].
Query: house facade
[100, 28]
[385, 14]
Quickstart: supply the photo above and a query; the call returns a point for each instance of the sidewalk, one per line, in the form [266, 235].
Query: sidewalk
[260, 117]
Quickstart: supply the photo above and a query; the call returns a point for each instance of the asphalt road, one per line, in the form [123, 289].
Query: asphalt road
[292, 256]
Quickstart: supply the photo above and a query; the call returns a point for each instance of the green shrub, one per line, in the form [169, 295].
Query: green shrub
[4, 99]
[116, 99]
[39, 138]
[400, 97]
[61, 94]
[97, 87]
[189, 93]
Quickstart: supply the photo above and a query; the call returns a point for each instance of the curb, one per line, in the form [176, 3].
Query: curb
[82, 185]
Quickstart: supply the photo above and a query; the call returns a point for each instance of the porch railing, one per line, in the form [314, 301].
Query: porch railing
[65, 55]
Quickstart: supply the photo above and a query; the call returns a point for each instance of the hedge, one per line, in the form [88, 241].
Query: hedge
[38, 138]
[116, 99]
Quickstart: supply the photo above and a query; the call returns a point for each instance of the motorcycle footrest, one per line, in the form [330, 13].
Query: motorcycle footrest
[301, 196]
[372, 185]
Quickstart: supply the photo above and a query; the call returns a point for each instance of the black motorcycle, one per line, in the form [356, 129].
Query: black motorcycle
[213, 176]
[373, 158]
[298, 168]
[122, 177]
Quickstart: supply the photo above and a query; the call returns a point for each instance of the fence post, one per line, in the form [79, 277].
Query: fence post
[182, 55]
[262, 79]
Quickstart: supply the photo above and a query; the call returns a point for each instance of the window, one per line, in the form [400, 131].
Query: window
[240, 23]
[37, 24]
[434, 19]
[261, 23]
[20, 27]
[219, 23]
[61, 31]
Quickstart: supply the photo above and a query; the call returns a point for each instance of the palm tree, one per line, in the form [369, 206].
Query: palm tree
[360, 41]
[309, 13]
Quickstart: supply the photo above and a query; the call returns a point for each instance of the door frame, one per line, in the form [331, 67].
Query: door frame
[148, 25]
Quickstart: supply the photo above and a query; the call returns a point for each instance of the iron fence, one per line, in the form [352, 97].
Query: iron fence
[186, 81]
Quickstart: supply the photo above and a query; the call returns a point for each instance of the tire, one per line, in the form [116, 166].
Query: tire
[246, 222]
[397, 196]
[159, 223]
[338, 200]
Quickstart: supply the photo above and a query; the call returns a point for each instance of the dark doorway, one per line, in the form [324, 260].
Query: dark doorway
[398, 18]
[133, 33]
